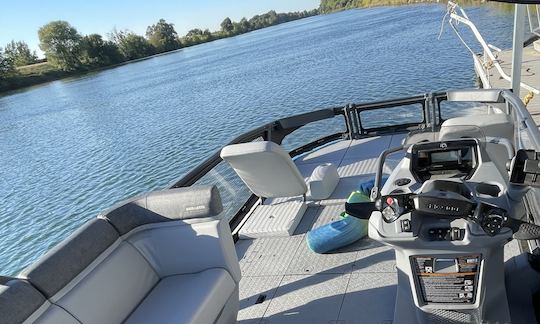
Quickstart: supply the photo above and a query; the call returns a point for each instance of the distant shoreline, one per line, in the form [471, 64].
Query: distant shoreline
[24, 82]
[331, 6]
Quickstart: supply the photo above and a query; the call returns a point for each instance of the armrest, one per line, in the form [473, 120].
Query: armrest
[165, 206]
[185, 203]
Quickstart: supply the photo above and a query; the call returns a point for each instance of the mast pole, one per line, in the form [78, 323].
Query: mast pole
[517, 46]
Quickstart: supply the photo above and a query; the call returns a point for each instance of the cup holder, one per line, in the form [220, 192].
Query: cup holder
[488, 190]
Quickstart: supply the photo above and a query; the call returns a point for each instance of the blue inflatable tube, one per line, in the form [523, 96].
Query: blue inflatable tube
[345, 231]
[339, 233]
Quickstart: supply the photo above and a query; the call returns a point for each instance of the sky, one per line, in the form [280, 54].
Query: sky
[20, 20]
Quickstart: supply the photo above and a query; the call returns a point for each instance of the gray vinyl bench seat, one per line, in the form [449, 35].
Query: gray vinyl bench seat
[164, 257]
[209, 287]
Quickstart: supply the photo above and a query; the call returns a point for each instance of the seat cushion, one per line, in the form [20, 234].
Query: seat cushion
[18, 300]
[110, 291]
[68, 259]
[53, 315]
[189, 298]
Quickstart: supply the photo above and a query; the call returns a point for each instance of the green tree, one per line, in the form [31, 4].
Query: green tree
[61, 43]
[97, 52]
[131, 45]
[7, 67]
[227, 26]
[163, 36]
[19, 53]
[197, 36]
[245, 25]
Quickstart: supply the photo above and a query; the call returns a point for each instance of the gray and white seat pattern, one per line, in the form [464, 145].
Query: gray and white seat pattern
[163, 257]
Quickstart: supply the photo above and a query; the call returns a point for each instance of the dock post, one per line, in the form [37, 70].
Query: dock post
[517, 48]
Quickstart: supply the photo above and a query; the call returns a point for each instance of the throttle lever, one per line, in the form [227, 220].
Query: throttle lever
[361, 210]
[391, 207]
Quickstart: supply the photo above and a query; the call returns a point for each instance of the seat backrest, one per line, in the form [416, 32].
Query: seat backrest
[266, 169]
[20, 302]
[165, 206]
[176, 230]
[492, 125]
[93, 275]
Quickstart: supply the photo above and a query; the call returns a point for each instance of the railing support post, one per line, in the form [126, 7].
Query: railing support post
[517, 48]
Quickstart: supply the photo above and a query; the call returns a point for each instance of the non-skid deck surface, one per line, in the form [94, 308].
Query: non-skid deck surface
[285, 282]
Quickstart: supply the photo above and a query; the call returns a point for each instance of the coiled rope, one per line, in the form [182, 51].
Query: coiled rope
[528, 98]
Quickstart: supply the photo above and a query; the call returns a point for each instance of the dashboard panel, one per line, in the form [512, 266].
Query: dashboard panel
[458, 158]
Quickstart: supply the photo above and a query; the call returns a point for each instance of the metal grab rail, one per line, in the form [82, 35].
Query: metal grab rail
[479, 65]
[277, 130]
[274, 131]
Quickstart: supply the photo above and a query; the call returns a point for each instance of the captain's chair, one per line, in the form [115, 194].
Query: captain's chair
[269, 172]
[266, 169]
[492, 125]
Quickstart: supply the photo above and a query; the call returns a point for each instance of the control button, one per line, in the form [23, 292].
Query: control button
[446, 234]
[405, 225]
[402, 181]
[457, 234]
[389, 214]
[389, 201]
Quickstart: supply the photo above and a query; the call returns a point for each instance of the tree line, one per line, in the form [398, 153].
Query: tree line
[328, 6]
[66, 50]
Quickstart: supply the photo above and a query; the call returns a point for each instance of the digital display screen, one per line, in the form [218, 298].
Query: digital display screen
[446, 156]
[454, 159]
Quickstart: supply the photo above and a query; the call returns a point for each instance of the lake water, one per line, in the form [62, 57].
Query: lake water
[71, 148]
